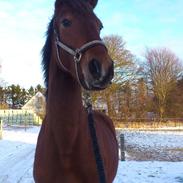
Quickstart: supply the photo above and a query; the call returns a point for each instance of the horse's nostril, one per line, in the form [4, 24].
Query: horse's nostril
[95, 68]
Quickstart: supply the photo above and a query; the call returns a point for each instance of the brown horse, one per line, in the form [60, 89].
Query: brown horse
[64, 152]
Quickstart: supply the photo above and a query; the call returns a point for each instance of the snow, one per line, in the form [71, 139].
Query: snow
[18, 147]
[16, 155]
[150, 172]
[159, 146]
[156, 139]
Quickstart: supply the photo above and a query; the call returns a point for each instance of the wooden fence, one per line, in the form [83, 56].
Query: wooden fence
[122, 147]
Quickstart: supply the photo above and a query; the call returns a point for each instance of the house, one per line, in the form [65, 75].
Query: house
[37, 104]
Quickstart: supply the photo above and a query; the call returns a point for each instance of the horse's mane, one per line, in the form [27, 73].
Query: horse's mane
[46, 52]
[79, 6]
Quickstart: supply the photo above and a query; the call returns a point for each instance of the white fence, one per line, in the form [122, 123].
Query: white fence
[19, 118]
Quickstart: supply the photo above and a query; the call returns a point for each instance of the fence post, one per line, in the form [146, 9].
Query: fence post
[122, 147]
[25, 120]
[1, 129]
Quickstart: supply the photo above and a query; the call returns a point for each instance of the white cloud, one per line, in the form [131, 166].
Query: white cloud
[22, 37]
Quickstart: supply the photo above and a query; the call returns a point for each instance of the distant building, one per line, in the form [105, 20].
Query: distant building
[37, 104]
[100, 105]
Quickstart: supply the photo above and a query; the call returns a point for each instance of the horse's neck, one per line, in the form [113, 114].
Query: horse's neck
[64, 96]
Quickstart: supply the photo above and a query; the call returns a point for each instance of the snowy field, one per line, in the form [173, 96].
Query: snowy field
[18, 146]
[153, 146]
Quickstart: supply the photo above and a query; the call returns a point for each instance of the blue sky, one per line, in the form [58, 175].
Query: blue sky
[141, 23]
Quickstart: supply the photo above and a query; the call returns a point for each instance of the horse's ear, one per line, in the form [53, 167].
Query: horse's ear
[93, 3]
[57, 3]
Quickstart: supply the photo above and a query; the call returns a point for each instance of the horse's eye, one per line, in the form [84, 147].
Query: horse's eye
[101, 27]
[66, 23]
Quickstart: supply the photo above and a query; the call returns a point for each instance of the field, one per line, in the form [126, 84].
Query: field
[153, 145]
[18, 146]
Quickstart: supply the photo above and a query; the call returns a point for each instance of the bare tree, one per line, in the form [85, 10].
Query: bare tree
[162, 69]
[124, 72]
[175, 101]
[123, 59]
[141, 99]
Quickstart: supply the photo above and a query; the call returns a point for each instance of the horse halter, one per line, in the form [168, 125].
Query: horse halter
[77, 53]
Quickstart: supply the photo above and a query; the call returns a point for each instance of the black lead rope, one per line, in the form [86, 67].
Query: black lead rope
[96, 149]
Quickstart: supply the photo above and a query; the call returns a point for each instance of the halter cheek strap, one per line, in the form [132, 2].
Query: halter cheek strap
[77, 53]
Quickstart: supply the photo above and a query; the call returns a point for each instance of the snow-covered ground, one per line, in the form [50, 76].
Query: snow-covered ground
[18, 146]
[156, 145]
[16, 155]
[150, 172]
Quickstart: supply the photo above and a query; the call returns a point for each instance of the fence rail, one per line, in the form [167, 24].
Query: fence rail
[149, 123]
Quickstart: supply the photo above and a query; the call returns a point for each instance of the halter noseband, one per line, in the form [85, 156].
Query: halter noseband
[77, 53]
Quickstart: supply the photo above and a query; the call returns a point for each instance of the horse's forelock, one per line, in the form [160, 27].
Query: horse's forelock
[93, 3]
[75, 4]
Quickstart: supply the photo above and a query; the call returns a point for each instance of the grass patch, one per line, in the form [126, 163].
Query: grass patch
[176, 150]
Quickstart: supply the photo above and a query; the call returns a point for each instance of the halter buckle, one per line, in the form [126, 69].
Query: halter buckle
[77, 56]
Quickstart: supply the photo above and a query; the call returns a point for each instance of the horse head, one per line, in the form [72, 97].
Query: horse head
[80, 50]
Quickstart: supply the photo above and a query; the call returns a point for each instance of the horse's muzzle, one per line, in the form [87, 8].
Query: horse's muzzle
[100, 81]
